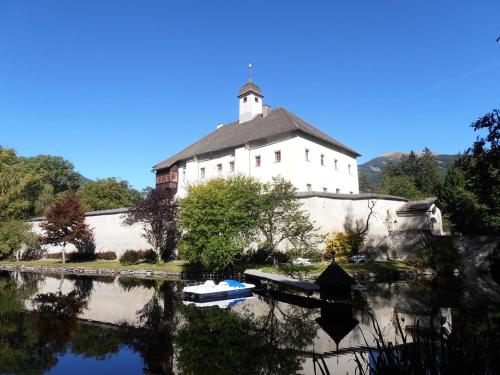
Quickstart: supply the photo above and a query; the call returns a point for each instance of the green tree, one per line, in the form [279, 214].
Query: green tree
[54, 171]
[365, 185]
[218, 221]
[106, 194]
[471, 191]
[401, 186]
[65, 224]
[15, 236]
[18, 187]
[282, 222]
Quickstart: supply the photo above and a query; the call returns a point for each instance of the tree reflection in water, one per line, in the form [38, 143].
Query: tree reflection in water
[216, 341]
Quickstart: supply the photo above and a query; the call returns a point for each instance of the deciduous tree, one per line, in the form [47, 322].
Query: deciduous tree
[219, 220]
[282, 221]
[107, 194]
[65, 224]
[157, 212]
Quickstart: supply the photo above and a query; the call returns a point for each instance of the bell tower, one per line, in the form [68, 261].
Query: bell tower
[250, 98]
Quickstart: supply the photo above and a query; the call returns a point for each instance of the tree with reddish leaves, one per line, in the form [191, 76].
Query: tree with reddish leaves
[157, 212]
[65, 224]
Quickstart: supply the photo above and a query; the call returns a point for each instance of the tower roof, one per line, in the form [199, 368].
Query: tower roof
[250, 87]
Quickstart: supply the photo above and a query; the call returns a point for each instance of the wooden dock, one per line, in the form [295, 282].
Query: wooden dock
[285, 281]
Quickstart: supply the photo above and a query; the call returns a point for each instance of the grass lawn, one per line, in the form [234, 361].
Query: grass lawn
[172, 266]
[375, 267]
[176, 265]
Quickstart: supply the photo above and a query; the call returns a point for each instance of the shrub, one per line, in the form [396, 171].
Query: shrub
[129, 257]
[147, 256]
[344, 244]
[106, 255]
[53, 255]
[314, 255]
[33, 253]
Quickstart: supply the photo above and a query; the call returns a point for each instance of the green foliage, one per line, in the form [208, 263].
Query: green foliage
[282, 222]
[106, 194]
[218, 220]
[16, 236]
[401, 186]
[343, 245]
[440, 254]
[471, 191]
[129, 257]
[365, 185]
[413, 177]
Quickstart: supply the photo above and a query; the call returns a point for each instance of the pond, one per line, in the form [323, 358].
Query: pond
[69, 324]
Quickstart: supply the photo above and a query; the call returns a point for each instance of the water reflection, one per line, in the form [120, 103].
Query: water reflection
[56, 324]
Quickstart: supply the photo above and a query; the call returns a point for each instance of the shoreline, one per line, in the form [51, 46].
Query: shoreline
[137, 271]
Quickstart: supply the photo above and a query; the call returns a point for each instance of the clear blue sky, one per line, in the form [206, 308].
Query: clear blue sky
[117, 86]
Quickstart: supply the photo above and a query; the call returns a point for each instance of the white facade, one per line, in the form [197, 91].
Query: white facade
[309, 165]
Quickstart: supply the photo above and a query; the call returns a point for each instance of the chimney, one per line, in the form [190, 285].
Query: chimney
[220, 126]
[266, 109]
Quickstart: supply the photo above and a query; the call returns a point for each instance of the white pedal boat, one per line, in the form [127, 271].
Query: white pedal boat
[209, 290]
[222, 304]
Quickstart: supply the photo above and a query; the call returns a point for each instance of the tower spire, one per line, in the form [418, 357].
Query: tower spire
[250, 72]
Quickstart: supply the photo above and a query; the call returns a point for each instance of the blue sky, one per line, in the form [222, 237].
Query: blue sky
[117, 86]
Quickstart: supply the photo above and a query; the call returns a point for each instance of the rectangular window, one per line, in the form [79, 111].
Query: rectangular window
[349, 168]
[325, 190]
[256, 100]
[245, 99]
[309, 187]
[257, 161]
[350, 192]
[202, 172]
[337, 191]
[219, 170]
[183, 174]
[307, 154]
[231, 166]
[277, 156]
[322, 159]
[336, 165]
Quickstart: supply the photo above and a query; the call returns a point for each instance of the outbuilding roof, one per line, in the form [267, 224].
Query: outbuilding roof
[420, 205]
[278, 121]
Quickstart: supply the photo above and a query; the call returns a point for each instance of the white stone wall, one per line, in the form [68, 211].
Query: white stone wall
[343, 214]
[304, 174]
[110, 234]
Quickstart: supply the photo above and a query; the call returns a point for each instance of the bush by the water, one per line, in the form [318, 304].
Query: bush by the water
[129, 257]
[139, 256]
[344, 244]
[83, 257]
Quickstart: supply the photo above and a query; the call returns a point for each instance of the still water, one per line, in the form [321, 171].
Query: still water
[55, 324]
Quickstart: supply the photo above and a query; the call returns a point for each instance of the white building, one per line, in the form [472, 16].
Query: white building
[264, 143]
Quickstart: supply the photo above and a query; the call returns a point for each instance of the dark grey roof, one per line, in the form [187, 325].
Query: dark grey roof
[421, 205]
[250, 87]
[352, 197]
[279, 121]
